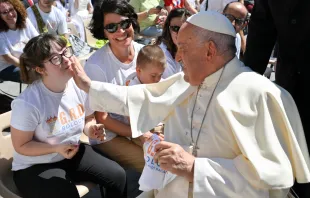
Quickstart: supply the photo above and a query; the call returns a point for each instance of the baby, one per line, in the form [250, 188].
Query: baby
[151, 64]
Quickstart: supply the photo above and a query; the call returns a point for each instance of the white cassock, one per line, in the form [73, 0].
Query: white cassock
[251, 143]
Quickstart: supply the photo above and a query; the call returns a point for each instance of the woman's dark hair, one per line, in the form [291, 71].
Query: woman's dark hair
[166, 36]
[101, 8]
[36, 51]
[21, 15]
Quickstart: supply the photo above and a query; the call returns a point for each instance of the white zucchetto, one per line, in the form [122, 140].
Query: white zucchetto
[213, 21]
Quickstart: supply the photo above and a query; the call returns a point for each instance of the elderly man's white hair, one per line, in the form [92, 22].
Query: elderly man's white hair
[211, 25]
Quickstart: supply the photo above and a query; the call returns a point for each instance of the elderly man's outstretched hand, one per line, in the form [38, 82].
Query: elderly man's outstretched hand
[79, 75]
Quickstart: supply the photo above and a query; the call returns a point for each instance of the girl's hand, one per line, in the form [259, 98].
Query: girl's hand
[97, 132]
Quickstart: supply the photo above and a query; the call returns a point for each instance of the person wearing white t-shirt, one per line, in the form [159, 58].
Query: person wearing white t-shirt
[15, 31]
[54, 20]
[47, 121]
[114, 63]
[151, 64]
[237, 13]
[168, 40]
[83, 8]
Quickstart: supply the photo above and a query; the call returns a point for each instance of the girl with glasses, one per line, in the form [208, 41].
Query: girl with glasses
[115, 63]
[15, 31]
[168, 40]
[47, 121]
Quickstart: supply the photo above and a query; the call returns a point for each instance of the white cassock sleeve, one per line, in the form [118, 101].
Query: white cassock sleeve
[148, 103]
[273, 150]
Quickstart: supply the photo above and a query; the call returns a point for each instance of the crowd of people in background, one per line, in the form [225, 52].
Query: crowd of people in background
[142, 47]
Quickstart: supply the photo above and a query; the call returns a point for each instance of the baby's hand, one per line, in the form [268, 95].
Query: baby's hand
[97, 132]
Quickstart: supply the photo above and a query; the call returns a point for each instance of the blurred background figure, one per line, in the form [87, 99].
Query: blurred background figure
[168, 41]
[151, 16]
[47, 18]
[237, 13]
[188, 4]
[82, 8]
[288, 24]
[215, 5]
[15, 31]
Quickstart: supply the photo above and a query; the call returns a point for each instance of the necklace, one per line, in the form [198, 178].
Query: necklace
[194, 144]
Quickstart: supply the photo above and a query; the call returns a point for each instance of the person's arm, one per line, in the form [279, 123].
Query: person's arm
[31, 30]
[147, 105]
[94, 130]
[76, 4]
[168, 8]
[90, 8]
[145, 14]
[24, 121]
[63, 26]
[113, 125]
[24, 144]
[261, 37]
[32, 18]
[11, 59]
[243, 41]
[189, 7]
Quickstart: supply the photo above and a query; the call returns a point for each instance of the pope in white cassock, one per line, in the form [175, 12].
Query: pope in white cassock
[229, 132]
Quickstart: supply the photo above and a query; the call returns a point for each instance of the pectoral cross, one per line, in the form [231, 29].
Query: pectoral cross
[193, 149]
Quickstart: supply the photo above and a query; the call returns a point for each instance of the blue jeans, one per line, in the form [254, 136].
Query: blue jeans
[11, 73]
[152, 31]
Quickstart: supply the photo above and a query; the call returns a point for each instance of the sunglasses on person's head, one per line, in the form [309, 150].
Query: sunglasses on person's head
[58, 58]
[238, 22]
[174, 28]
[124, 24]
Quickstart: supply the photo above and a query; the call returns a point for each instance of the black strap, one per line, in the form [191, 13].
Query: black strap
[207, 4]
[40, 22]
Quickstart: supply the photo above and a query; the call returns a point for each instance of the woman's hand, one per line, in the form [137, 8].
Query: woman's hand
[153, 11]
[163, 12]
[160, 20]
[97, 132]
[68, 151]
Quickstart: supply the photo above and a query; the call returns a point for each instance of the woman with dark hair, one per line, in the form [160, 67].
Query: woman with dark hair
[115, 62]
[15, 31]
[168, 40]
[47, 121]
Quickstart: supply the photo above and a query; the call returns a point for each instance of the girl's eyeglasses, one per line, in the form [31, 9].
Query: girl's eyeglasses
[57, 59]
[174, 28]
[124, 24]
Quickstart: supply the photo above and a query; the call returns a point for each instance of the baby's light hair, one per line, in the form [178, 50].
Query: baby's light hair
[151, 55]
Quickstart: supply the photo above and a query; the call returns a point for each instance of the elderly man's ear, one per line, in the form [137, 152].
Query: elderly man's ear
[210, 49]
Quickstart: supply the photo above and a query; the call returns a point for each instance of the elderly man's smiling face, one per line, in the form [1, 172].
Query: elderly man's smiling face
[197, 53]
[190, 53]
